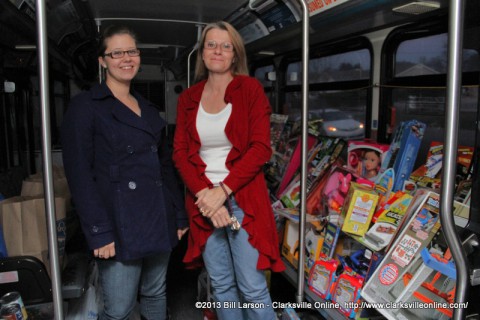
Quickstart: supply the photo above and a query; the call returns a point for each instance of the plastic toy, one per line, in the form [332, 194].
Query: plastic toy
[336, 190]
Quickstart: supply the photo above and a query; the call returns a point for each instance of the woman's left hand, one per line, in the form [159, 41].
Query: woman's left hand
[210, 201]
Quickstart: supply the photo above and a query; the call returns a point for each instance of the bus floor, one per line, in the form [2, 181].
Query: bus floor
[182, 290]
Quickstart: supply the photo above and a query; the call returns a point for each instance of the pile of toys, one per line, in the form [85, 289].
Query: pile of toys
[372, 219]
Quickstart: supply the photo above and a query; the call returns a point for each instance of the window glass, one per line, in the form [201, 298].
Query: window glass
[265, 75]
[340, 112]
[428, 56]
[353, 65]
[424, 98]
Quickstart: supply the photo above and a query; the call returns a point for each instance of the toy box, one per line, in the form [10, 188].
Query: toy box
[429, 174]
[402, 255]
[335, 189]
[320, 158]
[359, 209]
[365, 158]
[389, 217]
[322, 276]
[313, 244]
[403, 151]
[346, 292]
[332, 232]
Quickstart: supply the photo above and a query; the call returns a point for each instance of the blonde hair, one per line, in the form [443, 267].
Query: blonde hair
[239, 67]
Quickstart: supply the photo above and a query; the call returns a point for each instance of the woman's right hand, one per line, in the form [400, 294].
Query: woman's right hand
[221, 218]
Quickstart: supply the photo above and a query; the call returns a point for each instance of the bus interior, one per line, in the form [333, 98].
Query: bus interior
[372, 66]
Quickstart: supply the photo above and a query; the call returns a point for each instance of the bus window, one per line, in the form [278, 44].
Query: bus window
[418, 86]
[340, 107]
[267, 76]
[353, 65]
[264, 75]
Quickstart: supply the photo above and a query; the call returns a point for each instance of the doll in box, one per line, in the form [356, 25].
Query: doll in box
[365, 158]
[372, 161]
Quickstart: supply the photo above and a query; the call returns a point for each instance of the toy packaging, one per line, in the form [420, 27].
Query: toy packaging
[416, 235]
[346, 291]
[389, 217]
[359, 208]
[323, 155]
[365, 158]
[320, 158]
[293, 162]
[322, 276]
[332, 232]
[277, 124]
[403, 151]
[384, 185]
[313, 243]
[334, 191]
[290, 245]
[429, 174]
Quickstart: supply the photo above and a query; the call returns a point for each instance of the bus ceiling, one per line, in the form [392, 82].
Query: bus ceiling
[168, 29]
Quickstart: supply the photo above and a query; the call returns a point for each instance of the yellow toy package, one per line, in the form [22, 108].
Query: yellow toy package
[361, 202]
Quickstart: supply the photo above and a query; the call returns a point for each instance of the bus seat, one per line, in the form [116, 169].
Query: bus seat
[28, 276]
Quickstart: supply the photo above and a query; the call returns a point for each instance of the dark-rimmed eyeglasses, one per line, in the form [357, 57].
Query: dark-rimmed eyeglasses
[212, 44]
[117, 54]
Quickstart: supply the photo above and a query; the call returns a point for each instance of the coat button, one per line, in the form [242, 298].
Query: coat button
[130, 149]
[154, 148]
[158, 183]
[132, 185]
[95, 229]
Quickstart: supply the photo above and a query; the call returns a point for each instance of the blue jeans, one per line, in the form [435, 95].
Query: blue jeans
[231, 262]
[122, 282]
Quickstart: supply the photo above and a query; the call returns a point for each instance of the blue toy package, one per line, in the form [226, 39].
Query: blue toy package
[403, 151]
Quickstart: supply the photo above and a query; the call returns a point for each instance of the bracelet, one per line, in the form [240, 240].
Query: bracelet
[224, 189]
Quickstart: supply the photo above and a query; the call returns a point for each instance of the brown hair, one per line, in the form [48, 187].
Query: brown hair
[237, 68]
[109, 32]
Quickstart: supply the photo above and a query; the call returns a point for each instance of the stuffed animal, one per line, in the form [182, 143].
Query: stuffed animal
[336, 190]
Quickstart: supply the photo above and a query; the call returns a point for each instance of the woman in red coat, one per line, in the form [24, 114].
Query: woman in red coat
[222, 141]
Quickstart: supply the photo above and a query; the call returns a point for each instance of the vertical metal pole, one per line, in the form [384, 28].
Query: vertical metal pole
[303, 183]
[454, 82]
[47, 158]
[199, 35]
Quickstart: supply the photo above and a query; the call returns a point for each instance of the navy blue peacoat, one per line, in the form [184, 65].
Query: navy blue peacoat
[121, 176]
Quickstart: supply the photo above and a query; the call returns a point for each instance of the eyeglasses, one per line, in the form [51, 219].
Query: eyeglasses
[212, 44]
[117, 54]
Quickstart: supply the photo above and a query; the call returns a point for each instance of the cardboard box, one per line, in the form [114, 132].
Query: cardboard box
[360, 206]
[313, 244]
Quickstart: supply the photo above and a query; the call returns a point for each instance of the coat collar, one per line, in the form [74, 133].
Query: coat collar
[147, 122]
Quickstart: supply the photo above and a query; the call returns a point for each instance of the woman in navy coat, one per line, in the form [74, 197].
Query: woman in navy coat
[123, 183]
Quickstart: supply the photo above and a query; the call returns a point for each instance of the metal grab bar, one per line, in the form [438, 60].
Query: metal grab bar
[47, 158]
[303, 179]
[454, 82]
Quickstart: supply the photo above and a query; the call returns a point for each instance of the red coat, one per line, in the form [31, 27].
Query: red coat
[248, 129]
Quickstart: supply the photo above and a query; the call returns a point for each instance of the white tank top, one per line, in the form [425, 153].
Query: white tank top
[215, 145]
